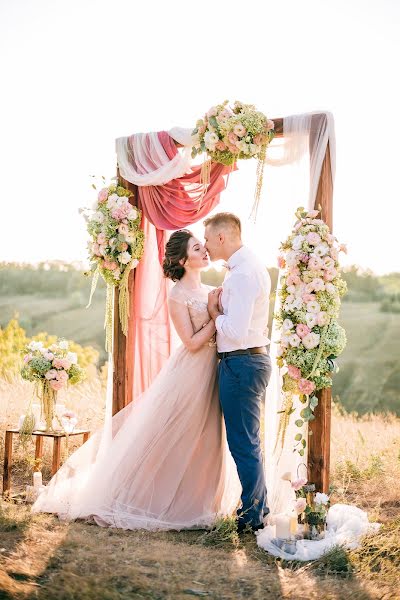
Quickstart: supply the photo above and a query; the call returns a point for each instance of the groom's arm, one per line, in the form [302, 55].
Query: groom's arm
[242, 295]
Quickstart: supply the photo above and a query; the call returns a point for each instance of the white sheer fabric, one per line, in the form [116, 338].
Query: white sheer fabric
[142, 160]
[346, 525]
[303, 146]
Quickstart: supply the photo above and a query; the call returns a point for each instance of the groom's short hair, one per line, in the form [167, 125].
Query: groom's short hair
[226, 220]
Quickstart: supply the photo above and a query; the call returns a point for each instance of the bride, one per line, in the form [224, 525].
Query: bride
[168, 465]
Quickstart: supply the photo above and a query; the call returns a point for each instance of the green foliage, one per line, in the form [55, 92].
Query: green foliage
[12, 341]
[224, 533]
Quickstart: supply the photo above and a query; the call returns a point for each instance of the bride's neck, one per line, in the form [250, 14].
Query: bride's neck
[191, 280]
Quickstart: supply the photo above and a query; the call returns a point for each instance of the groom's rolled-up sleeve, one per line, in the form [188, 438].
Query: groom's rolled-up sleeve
[242, 295]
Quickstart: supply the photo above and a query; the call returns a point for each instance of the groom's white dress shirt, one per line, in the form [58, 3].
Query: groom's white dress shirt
[245, 304]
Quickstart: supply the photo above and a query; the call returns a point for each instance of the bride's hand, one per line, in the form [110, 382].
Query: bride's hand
[214, 303]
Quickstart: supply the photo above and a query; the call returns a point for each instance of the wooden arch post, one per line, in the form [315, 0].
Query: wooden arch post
[319, 439]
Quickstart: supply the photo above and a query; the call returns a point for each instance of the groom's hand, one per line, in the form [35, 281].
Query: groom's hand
[213, 302]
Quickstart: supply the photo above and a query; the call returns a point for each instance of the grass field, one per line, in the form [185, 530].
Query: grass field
[41, 557]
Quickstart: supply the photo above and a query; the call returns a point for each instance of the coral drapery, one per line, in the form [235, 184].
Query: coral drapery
[170, 206]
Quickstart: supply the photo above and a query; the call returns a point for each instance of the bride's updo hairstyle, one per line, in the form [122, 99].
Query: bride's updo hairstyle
[175, 251]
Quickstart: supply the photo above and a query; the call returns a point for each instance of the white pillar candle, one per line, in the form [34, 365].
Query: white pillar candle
[283, 526]
[37, 479]
[293, 523]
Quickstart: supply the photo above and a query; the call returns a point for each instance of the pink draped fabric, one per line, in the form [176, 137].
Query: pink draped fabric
[171, 206]
[178, 203]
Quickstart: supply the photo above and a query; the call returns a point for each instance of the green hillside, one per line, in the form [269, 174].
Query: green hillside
[53, 299]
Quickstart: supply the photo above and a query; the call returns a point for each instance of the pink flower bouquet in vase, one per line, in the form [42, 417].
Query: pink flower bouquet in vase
[50, 369]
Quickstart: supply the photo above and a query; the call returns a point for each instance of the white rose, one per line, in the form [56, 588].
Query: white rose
[313, 306]
[321, 249]
[292, 258]
[130, 237]
[124, 258]
[112, 201]
[116, 274]
[210, 139]
[297, 242]
[311, 320]
[330, 288]
[63, 345]
[133, 214]
[287, 324]
[72, 357]
[35, 345]
[297, 303]
[294, 340]
[311, 340]
[98, 217]
[254, 149]
[321, 498]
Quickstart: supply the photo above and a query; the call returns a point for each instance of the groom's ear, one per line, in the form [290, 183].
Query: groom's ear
[221, 238]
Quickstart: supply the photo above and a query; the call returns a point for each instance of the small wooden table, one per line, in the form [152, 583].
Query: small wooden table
[55, 435]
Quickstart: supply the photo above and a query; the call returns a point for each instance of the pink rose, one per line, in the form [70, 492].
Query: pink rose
[313, 239]
[220, 146]
[62, 376]
[102, 249]
[281, 262]
[306, 386]
[96, 249]
[322, 318]
[293, 280]
[270, 124]
[239, 130]
[315, 263]
[110, 265]
[102, 195]
[57, 363]
[304, 257]
[300, 505]
[27, 358]
[56, 385]
[101, 238]
[52, 374]
[328, 262]
[232, 138]
[330, 274]
[65, 363]
[302, 330]
[308, 297]
[233, 149]
[312, 214]
[330, 239]
[117, 214]
[297, 484]
[259, 139]
[294, 372]
[318, 284]
[212, 112]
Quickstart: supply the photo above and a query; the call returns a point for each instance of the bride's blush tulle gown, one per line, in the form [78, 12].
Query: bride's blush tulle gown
[166, 464]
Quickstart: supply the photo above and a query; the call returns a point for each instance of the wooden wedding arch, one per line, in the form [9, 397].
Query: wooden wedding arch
[123, 348]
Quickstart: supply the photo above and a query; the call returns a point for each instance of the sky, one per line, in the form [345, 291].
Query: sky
[76, 74]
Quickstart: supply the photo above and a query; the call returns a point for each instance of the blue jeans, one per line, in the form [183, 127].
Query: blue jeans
[242, 383]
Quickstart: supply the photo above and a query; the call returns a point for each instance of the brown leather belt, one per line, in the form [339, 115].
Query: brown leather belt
[247, 351]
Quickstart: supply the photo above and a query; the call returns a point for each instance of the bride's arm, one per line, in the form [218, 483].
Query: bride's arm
[184, 328]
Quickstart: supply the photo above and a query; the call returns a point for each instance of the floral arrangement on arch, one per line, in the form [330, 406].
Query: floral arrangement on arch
[50, 369]
[228, 134]
[115, 249]
[311, 338]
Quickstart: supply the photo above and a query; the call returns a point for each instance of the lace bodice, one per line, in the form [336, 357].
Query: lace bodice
[196, 303]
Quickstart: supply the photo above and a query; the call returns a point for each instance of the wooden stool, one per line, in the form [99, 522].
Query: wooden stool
[55, 435]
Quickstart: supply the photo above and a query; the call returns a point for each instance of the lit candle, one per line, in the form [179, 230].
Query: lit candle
[282, 526]
[37, 479]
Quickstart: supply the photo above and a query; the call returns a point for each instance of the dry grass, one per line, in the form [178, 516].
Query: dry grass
[41, 557]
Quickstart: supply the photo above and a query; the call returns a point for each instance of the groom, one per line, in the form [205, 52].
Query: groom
[240, 311]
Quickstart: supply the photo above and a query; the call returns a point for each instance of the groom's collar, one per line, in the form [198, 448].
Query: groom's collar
[237, 257]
